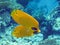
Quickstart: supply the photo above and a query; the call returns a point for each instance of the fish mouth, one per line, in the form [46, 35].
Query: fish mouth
[37, 31]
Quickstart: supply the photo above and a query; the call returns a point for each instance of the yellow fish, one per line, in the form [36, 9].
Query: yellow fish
[27, 24]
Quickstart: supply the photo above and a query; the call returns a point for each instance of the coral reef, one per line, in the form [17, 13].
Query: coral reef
[47, 14]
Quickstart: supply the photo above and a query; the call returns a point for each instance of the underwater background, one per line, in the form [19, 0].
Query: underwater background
[47, 13]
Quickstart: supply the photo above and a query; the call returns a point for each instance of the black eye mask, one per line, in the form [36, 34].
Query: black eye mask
[33, 28]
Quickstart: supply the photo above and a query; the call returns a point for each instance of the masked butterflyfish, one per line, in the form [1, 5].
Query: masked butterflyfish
[27, 24]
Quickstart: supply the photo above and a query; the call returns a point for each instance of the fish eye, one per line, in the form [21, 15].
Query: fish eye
[34, 28]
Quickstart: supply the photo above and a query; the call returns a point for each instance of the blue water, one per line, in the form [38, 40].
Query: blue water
[47, 13]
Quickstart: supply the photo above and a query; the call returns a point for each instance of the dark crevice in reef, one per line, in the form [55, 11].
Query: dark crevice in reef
[23, 2]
